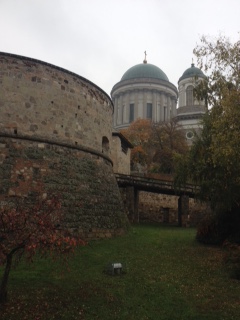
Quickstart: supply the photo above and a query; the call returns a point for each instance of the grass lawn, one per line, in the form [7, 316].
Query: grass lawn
[169, 276]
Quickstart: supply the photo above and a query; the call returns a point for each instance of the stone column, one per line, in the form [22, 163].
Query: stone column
[140, 104]
[183, 208]
[115, 115]
[136, 104]
[144, 103]
[174, 106]
[182, 95]
[136, 202]
[158, 105]
[154, 106]
[180, 102]
[162, 106]
[120, 110]
[168, 108]
[126, 109]
[132, 200]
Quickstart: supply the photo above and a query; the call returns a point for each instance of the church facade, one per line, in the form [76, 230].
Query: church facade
[145, 92]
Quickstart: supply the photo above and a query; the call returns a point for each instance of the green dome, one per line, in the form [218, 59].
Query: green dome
[191, 73]
[144, 70]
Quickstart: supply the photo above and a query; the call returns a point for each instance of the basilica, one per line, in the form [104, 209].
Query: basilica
[145, 92]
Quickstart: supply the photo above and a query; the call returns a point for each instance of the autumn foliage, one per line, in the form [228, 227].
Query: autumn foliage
[26, 231]
[139, 134]
[213, 162]
[155, 144]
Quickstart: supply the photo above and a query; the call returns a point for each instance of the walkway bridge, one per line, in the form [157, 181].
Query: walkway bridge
[133, 184]
[154, 185]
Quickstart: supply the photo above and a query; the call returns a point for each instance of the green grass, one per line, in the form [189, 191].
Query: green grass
[169, 276]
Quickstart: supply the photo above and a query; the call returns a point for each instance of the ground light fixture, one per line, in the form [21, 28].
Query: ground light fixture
[114, 268]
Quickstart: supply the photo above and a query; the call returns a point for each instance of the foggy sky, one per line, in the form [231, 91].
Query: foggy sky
[101, 39]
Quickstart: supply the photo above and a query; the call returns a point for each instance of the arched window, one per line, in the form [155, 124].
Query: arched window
[105, 145]
[189, 96]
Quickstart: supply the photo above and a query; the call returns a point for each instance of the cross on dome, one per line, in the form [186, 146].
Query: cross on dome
[145, 59]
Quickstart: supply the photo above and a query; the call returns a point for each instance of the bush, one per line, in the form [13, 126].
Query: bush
[207, 231]
[217, 228]
[232, 259]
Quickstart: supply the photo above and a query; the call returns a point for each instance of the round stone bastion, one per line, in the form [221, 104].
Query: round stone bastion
[55, 139]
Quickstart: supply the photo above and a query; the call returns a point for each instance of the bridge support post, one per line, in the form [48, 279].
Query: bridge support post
[136, 202]
[183, 208]
[132, 200]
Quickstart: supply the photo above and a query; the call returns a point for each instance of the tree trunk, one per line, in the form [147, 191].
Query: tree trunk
[3, 286]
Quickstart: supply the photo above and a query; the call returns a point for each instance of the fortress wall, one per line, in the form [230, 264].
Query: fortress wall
[121, 160]
[41, 100]
[164, 208]
[52, 123]
[83, 182]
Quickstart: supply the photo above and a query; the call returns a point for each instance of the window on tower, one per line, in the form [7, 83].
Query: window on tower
[105, 145]
[189, 96]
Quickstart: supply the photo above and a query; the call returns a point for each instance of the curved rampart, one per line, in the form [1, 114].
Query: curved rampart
[44, 101]
[52, 127]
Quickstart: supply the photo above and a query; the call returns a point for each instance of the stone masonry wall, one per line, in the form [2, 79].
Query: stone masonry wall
[84, 183]
[121, 160]
[164, 208]
[41, 100]
[55, 138]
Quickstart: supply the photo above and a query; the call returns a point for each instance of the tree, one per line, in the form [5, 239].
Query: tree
[220, 59]
[139, 134]
[156, 144]
[169, 141]
[213, 163]
[26, 231]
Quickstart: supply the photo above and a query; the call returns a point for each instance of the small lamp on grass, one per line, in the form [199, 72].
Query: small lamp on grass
[115, 268]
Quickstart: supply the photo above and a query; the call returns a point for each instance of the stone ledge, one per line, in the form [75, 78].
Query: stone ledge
[42, 141]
